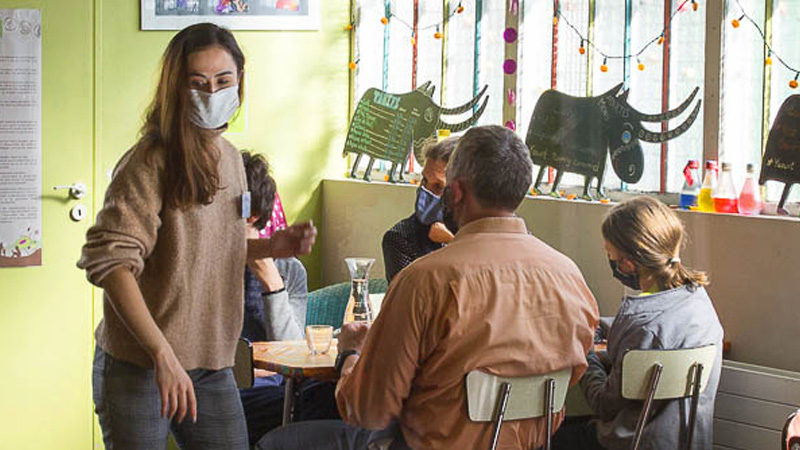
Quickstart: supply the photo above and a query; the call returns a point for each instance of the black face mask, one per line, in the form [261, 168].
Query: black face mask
[628, 279]
[447, 211]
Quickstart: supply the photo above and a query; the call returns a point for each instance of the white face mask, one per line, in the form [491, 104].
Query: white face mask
[214, 110]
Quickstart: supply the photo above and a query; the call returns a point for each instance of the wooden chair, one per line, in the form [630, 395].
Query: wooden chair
[666, 375]
[243, 364]
[489, 399]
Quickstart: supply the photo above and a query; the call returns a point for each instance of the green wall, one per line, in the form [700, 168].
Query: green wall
[46, 311]
[98, 75]
[296, 100]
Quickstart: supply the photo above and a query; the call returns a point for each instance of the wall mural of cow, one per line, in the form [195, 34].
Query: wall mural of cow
[574, 134]
[781, 160]
[386, 126]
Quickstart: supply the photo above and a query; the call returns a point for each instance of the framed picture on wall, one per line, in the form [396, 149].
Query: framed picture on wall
[232, 14]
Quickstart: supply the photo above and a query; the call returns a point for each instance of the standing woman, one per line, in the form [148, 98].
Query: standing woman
[643, 239]
[169, 249]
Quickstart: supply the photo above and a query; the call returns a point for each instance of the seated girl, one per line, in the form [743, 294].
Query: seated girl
[643, 239]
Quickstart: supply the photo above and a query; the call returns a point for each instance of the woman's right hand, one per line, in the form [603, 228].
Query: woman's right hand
[175, 386]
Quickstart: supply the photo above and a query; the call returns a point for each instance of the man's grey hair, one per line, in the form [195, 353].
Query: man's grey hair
[495, 164]
[439, 150]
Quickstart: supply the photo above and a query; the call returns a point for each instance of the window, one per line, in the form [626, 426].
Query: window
[752, 91]
[671, 71]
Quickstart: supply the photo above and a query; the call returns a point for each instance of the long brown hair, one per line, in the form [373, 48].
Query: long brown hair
[192, 176]
[650, 234]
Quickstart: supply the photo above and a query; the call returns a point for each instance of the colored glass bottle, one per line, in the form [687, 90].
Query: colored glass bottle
[750, 198]
[691, 185]
[726, 199]
[704, 200]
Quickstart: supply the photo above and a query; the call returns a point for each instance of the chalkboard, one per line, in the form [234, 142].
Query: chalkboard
[387, 126]
[781, 161]
[576, 134]
[567, 133]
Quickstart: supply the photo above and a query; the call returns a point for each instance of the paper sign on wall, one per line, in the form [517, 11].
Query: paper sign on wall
[20, 138]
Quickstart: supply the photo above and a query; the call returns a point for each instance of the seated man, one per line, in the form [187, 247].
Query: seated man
[275, 299]
[496, 299]
[424, 231]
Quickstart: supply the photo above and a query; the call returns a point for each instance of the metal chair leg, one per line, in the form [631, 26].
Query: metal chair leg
[500, 412]
[698, 375]
[550, 388]
[648, 403]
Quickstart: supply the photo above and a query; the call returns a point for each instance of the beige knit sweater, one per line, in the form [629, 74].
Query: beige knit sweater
[189, 263]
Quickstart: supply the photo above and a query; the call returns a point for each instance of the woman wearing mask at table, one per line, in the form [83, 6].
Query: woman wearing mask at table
[169, 249]
[643, 238]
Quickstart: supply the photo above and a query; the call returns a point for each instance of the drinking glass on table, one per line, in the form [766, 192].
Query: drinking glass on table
[318, 338]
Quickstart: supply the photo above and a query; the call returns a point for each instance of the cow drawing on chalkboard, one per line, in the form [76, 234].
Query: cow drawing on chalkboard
[574, 134]
[388, 126]
[781, 160]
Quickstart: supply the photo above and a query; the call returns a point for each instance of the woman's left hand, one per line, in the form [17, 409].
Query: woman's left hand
[295, 240]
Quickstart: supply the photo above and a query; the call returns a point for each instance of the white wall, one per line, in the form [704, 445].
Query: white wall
[752, 261]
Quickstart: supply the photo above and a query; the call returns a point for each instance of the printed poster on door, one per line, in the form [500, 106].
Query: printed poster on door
[20, 138]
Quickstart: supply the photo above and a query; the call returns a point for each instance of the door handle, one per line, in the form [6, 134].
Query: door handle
[76, 191]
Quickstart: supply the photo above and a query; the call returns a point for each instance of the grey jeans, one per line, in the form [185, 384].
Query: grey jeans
[128, 404]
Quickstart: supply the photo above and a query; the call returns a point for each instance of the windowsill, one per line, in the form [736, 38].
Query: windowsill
[615, 196]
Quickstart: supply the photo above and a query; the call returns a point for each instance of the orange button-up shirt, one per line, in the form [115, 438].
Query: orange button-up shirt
[496, 299]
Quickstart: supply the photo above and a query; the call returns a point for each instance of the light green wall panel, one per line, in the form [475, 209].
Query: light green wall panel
[46, 312]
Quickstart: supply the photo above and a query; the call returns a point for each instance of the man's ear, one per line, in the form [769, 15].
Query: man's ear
[457, 193]
[252, 219]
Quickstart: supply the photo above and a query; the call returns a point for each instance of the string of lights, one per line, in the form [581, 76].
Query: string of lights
[391, 16]
[586, 42]
[735, 23]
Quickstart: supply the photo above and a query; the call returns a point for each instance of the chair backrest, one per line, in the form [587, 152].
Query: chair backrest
[666, 374]
[492, 399]
[790, 437]
[527, 395]
[677, 374]
[243, 364]
[326, 305]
